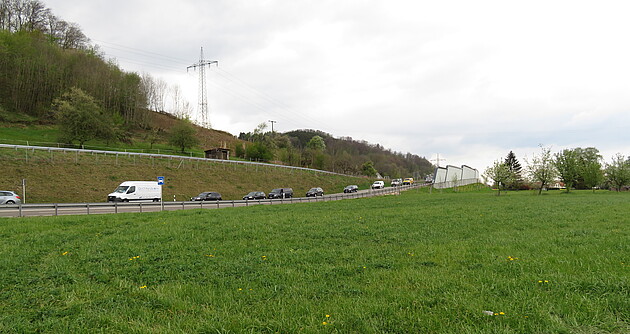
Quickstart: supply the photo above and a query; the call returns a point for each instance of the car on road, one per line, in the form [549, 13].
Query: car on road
[313, 192]
[9, 197]
[255, 195]
[378, 185]
[351, 189]
[396, 182]
[408, 181]
[207, 196]
[136, 191]
[280, 193]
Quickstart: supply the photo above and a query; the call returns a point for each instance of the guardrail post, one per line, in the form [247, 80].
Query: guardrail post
[88, 208]
[183, 207]
[140, 207]
[115, 207]
[56, 211]
[20, 208]
[217, 204]
[233, 204]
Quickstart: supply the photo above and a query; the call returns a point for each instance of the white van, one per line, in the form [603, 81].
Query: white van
[136, 191]
[378, 185]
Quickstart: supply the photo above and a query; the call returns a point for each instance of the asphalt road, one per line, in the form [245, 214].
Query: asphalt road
[58, 209]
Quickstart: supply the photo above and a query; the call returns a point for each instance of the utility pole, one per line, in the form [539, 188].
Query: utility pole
[270, 121]
[203, 99]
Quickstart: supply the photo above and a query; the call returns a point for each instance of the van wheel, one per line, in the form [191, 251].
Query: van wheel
[156, 200]
[125, 200]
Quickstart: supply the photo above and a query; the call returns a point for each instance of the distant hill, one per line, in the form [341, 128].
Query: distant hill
[351, 154]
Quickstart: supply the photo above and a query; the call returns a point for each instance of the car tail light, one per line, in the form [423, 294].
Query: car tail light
[17, 196]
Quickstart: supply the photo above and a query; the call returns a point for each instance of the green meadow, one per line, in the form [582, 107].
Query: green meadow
[446, 262]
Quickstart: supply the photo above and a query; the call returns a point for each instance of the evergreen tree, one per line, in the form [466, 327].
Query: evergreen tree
[515, 168]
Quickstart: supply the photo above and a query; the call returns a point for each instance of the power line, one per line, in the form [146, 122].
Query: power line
[282, 107]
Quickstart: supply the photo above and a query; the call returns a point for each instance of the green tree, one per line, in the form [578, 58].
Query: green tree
[515, 168]
[368, 169]
[567, 165]
[590, 168]
[80, 118]
[541, 168]
[183, 135]
[618, 171]
[316, 143]
[500, 174]
[259, 152]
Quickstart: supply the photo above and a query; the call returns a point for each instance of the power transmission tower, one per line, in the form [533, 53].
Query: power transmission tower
[203, 99]
[437, 160]
[270, 121]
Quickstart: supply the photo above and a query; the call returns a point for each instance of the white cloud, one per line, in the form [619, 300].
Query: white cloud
[470, 80]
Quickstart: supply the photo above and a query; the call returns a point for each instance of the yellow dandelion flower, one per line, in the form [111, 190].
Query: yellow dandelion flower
[239, 289]
[327, 315]
[324, 323]
[501, 313]
[496, 314]
[64, 253]
[539, 281]
[546, 281]
[143, 287]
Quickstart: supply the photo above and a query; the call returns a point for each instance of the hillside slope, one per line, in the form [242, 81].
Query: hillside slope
[53, 177]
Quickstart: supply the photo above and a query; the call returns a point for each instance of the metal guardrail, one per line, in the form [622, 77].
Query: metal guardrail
[57, 209]
[165, 156]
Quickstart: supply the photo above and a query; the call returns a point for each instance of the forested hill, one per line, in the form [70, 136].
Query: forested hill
[321, 150]
[349, 154]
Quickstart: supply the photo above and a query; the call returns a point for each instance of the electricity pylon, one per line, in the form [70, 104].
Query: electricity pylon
[203, 99]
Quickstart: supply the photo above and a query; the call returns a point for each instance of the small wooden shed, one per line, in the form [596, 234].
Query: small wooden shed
[218, 153]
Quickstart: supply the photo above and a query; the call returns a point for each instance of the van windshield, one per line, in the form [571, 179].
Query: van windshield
[276, 191]
[121, 189]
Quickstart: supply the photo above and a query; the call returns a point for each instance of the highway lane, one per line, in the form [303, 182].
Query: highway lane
[57, 209]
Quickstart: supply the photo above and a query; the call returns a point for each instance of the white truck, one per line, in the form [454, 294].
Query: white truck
[129, 191]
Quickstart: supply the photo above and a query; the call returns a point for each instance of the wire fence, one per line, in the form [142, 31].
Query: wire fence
[119, 154]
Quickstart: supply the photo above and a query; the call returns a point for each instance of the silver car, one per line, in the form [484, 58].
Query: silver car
[9, 197]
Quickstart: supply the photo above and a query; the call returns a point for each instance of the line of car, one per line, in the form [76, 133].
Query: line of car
[149, 190]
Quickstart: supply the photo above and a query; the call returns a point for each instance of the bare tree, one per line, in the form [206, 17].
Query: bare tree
[541, 168]
[500, 174]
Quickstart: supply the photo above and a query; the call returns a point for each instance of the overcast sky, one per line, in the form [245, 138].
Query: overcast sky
[469, 80]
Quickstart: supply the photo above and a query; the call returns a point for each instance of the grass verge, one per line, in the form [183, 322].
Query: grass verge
[411, 263]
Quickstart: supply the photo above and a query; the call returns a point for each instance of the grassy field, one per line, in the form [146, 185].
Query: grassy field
[414, 263]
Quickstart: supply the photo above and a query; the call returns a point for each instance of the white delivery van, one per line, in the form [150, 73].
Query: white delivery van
[130, 191]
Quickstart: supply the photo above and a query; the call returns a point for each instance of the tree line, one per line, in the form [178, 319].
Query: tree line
[576, 168]
[317, 149]
[32, 15]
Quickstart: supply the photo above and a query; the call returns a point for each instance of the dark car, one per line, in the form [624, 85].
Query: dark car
[351, 189]
[281, 193]
[255, 195]
[9, 197]
[315, 192]
[207, 196]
